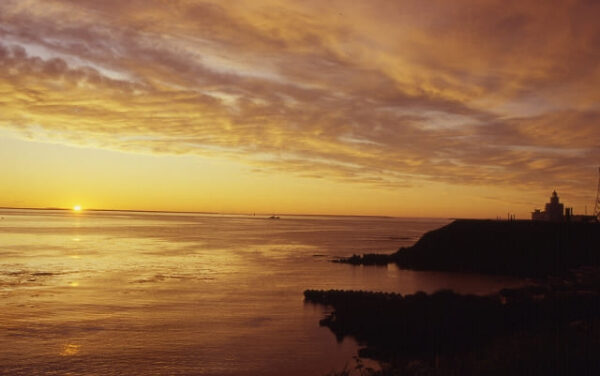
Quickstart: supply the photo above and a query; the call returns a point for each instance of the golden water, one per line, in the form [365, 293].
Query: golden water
[122, 293]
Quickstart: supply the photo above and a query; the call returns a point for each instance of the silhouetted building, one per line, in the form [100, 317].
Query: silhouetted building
[554, 211]
[538, 215]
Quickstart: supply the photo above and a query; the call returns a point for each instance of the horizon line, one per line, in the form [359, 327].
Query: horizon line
[214, 213]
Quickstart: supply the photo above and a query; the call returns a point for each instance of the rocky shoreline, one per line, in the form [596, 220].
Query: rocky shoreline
[521, 248]
[551, 329]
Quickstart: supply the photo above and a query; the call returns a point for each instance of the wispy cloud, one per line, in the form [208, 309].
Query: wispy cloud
[379, 92]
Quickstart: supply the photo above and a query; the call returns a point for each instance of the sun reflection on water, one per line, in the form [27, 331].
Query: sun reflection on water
[70, 350]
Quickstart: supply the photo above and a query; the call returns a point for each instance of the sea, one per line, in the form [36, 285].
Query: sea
[139, 293]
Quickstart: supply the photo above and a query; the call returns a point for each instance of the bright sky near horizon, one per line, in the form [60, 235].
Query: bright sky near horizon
[462, 108]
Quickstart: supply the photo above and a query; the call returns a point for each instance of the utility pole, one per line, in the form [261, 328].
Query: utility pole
[597, 207]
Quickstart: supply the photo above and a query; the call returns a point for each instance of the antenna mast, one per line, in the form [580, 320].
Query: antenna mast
[597, 207]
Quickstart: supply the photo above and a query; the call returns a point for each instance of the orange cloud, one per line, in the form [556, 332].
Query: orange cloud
[383, 93]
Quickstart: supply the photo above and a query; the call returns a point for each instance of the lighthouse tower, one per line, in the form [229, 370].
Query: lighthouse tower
[554, 209]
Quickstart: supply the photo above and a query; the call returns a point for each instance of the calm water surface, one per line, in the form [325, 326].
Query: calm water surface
[112, 293]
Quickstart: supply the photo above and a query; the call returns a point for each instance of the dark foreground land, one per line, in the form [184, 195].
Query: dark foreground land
[523, 248]
[550, 328]
[541, 330]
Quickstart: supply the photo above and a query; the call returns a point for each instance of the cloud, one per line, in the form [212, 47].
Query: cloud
[383, 93]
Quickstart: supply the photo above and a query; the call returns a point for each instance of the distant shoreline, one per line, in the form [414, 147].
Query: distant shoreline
[266, 214]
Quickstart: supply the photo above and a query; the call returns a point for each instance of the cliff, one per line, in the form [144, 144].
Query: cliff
[525, 248]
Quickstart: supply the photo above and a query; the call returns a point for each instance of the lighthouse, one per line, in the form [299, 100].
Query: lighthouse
[554, 211]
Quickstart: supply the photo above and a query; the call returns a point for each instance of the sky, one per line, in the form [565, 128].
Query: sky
[465, 108]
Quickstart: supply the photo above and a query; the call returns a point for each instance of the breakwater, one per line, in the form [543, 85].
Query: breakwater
[535, 330]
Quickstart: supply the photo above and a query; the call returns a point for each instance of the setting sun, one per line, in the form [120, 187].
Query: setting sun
[77, 208]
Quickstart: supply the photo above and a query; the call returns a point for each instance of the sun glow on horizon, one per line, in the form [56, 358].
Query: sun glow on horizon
[77, 208]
